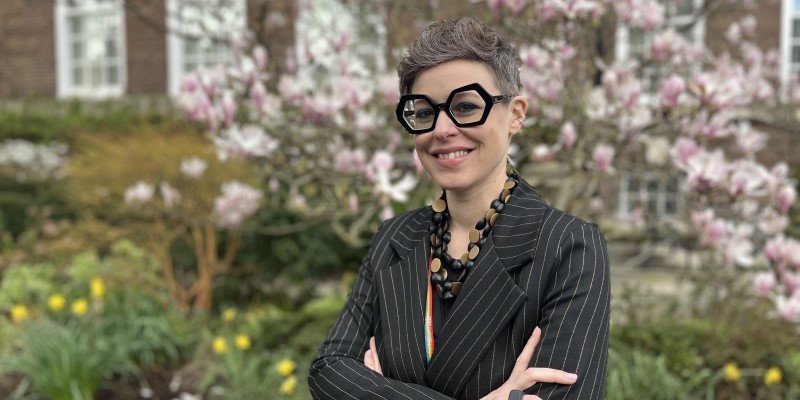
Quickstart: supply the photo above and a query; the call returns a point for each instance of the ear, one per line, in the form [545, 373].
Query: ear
[518, 107]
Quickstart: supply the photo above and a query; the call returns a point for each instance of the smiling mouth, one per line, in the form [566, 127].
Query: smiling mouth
[450, 156]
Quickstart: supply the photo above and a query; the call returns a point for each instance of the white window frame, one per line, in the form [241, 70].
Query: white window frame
[64, 58]
[626, 205]
[622, 50]
[789, 12]
[176, 42]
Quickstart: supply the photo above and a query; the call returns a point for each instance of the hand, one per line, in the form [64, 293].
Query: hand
[371, 357]
[522, 377]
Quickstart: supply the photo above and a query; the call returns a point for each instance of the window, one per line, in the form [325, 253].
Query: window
[680, 15]
[790, 39]
[199, 35]
[90, 48]
[655, 196]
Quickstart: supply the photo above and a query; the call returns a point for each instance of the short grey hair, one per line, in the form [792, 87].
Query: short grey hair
[463, 38]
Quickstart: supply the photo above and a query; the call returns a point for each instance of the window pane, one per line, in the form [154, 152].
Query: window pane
[111, 48]
[685, 7]
[77, 51]
[77, 76]
[796, 54]
[113, 77]
[797, 6]
[97, 76]
[75, 25]
[796, 27]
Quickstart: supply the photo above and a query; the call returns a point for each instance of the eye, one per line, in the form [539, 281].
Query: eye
[425, 113]
[465, 108]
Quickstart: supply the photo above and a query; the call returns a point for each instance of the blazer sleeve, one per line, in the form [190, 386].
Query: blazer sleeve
[339, 372]
[575, 313]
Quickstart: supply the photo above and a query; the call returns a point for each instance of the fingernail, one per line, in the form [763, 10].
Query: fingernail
[537, 329]
[571, 377]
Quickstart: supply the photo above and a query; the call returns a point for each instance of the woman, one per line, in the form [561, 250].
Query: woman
[488, 293]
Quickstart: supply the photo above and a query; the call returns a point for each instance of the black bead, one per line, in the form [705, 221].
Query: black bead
[444, 247]
[495, 203]
[482, 223]
[437, 278]
[433, 228]
[438, 217]
[468, 266]
[448, 259]
[446, 237]
[448, 285]
[448, 295]
[456, 264]
[470, 246]
[499, 207]
[487, 230]
[482, 241]
[437, 252]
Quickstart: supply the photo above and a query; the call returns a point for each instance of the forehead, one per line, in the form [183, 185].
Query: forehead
[437, 82]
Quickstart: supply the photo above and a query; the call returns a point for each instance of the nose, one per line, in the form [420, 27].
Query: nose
[444, 127]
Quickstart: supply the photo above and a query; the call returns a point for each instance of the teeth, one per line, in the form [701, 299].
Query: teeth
[450, 156]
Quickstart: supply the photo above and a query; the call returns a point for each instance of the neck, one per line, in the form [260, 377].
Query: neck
[466, 207]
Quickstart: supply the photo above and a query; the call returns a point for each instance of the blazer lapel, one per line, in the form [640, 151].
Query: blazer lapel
[402, 289]
[490, 297]
[484, 307]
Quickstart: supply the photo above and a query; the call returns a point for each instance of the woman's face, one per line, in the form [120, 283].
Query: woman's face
[466, 159]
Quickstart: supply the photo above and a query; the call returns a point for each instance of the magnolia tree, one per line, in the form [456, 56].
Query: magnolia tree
[324, 134]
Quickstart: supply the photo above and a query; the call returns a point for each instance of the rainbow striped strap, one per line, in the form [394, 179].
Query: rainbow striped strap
[429, 344]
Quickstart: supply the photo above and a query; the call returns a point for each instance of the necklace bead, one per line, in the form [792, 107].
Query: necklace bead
[441, 260]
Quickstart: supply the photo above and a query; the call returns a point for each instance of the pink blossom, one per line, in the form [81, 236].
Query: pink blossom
[193, 167]
[170, 195]
[139, 193]
[706, 170]
[739, 249]
[228, 108]
[568, 135]
[764, 283]
[673, 88]
[749, 140]
[788, 308]
[260, 57]
[386, 213]
[245, 141]
[786, 197]
[603, 155]
[714, 233]
[350, 160]
[382, 161]
[237, 202]
[747, 178]
[388, 87]
[734, 33]
[772, 223]
[683, 150]
[274, 185]
[258, 94]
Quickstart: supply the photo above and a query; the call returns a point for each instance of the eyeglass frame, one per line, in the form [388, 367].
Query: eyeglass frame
[489, 99]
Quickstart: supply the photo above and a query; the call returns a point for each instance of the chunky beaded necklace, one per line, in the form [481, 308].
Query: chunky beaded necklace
[443, 266]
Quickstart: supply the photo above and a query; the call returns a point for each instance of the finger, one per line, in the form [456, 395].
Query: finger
[374, 352]
[524, 359]
[548, 375]
[368, 360]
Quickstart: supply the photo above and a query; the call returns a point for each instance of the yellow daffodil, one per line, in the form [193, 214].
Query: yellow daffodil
[97, 287]
[242, 342]
[286, 367]
[772, 376]
[229, 314]
[732, 372]
[19, 312]
[220, 345]
[80, 307]
[288, 385]
[56, 302]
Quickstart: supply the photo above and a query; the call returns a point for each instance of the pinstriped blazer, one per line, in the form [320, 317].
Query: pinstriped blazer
[539, 267]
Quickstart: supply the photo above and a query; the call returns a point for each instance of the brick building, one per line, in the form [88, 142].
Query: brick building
[109, 48]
